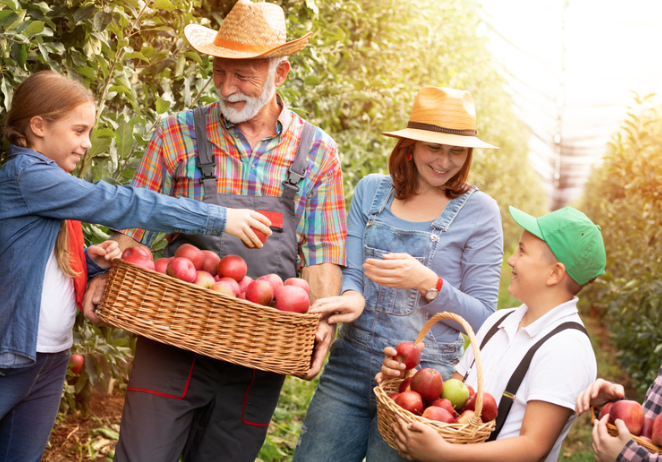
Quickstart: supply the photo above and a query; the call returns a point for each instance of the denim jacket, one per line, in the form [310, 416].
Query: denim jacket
[464, 245]
[35, 196]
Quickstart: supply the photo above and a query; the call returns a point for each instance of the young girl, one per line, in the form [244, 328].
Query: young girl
[44, 270]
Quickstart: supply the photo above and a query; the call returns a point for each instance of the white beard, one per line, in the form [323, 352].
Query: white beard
[253, 104]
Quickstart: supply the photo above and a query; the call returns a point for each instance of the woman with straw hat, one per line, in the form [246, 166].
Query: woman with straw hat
[419, 241]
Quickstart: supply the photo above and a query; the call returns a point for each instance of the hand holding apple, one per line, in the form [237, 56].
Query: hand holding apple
[241, 222]
[598, 392]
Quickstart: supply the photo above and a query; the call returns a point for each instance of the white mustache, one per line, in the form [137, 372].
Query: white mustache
[235, 98]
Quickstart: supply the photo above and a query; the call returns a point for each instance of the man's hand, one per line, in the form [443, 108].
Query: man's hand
[92, 298]
[323, 339]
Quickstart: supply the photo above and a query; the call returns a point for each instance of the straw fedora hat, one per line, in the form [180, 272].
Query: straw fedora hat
[443, 116]
[250, 30]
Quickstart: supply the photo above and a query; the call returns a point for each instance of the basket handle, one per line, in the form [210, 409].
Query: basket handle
[474, 344]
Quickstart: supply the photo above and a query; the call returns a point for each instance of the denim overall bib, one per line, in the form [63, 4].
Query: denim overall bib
[218, 407]
[341, 423]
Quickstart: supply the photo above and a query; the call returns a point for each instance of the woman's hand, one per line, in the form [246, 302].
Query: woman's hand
[400, 271]
[342, 308]
[607, 447]
[239, 223]
[392, 368]
[598, 392]
[103, 253]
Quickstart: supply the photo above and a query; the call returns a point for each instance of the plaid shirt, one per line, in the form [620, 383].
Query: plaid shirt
[169, 167]
[632, 452]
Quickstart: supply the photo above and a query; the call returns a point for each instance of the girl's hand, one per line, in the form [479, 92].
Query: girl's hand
[400, 271]
[103, 253]
[607, 447]
[392, 368]
[343, 308]
[239, 224]
[417, 441]
[598, 392]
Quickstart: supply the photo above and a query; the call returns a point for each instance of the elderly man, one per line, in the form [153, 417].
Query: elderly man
[245, 151]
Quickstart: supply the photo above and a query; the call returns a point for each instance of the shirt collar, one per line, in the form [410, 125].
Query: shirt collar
[15, 150]
[553, 317]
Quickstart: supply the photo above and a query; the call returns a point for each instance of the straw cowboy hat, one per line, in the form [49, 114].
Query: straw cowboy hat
[250, 30]
[443, 116]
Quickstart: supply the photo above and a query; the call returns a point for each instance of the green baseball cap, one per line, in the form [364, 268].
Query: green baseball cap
[572, 237]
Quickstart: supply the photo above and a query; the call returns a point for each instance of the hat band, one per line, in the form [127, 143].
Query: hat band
[436, 128]
[238, 46]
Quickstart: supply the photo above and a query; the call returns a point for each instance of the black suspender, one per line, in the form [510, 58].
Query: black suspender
[518, 376]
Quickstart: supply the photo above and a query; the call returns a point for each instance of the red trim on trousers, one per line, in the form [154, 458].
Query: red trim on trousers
[165, 395]
[243, 410]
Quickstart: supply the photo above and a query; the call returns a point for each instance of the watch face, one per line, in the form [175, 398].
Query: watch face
[431, 294]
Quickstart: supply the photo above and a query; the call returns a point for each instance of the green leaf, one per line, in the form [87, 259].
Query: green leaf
[163, 5]
[86, 72]
[162, 106]
[13, 4]
[136, 55]
[85, 13]
[7, 17]
[124, 139]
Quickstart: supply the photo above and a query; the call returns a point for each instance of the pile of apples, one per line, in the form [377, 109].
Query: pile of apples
[632, 414]
[428, 395]
[225, 275]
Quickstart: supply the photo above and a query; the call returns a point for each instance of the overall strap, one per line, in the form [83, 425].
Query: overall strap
[205, 159]
[517, 377]
[297, 170]
[490, 333]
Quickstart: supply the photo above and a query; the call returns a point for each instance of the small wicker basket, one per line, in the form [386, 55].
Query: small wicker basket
[613, 431]
[474, 431]
[188, 316]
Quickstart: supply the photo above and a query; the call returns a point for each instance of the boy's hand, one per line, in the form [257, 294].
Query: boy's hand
[103, 253]
[239, 223]
[598, 392]
[607, 447]
[417, 441]
[392, 368]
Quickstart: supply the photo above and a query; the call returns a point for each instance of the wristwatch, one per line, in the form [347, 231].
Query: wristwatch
[431, 294]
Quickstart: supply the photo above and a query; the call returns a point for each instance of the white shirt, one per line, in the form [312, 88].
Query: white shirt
[57, 312]
[562, 368]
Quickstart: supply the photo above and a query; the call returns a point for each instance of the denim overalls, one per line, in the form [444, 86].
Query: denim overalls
[218, 410]
[341, 423]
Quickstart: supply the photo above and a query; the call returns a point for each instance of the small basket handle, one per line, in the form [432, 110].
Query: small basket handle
[474, 344]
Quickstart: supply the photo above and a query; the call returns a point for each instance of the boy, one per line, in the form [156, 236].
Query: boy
[622, 447]
[558, 253]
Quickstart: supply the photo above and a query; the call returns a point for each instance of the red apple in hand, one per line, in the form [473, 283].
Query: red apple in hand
[211, 262]
[630, 412]
[232, 266]
[140, 256]
[408, 354]
[605, 410]
[182, 268]
[656, 434]
[78, 360]
[428, 383]
[299, 283]
[647, 429]
[411, 401]
[192, 253]
[490, 408]
[260, 292]
[439, 414]
[291, 298]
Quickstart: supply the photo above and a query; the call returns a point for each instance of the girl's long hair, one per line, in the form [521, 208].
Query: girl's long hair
[51, 96]
[405, 175]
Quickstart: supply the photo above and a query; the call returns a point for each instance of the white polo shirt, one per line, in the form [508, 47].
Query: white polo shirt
[561, 368]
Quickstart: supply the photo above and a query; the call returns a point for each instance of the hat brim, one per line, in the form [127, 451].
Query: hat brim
[201, 38]
[526, 221]
[440, 138]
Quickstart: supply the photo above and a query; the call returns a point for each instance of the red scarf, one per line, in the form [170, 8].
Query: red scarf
[77, 259]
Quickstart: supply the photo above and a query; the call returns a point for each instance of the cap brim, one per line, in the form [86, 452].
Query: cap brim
[440, 138]
[526, 221]
[201, 39]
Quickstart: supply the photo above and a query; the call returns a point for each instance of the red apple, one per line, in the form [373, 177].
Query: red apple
[260, 235]
[234, 284]
[465, 417]
[445, 404]
[428, 383]
[140, 256]
[656, 435]
[605, 410]
[411, 401]
[232, 266]
[242, 295]
[630, 412]
[408, 354]
[647, 429]
[471, 390]
[394, 395]
[404, 385]
[273, 279]
[182, 268]
[243, 284]
[78, 360]
[260, 292]
[299, 283]
[192, 253]
[223, 287]
[292, 298]
[161, 265]
[490, 408]
[439, 414]
[211, 262]
[204, 279]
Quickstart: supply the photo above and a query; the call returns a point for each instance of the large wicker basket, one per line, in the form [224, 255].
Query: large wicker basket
[474, 431]
[188, 316]
[613, 431]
